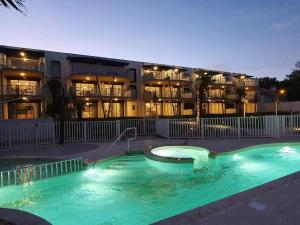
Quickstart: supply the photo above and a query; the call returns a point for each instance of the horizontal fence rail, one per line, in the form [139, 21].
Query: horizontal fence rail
[234, 127]
[17, 134]
[33, 173]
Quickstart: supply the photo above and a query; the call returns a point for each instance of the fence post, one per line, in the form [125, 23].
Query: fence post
[118, 131]
[239, 127]
[84, 131]
[144, 124]
[168, 128]
[200, 122]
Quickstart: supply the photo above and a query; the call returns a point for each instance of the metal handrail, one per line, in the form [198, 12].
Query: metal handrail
[128, 140]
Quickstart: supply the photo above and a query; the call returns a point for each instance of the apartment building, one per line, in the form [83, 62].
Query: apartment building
[112, 87]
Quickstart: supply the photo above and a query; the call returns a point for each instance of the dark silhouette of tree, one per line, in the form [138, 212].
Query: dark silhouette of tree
[202, 83]
[292, 84]
[268, 82]
[15, 4]
[241, 93]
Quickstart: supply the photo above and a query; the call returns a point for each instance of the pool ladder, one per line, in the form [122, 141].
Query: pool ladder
[128, 140]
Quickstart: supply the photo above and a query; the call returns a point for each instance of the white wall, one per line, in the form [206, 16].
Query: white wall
[283, 106]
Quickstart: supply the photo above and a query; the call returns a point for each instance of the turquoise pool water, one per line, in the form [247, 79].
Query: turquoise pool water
[134, 190]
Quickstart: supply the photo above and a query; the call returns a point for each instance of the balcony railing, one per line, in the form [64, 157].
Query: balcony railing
[105, 92]
[103, 72]
[216, 97]
[166, 76]
[232, 97]
[167, 94]
[86, 92]
[117, 92]
[24, 64]
[23, 90]
[246, 83]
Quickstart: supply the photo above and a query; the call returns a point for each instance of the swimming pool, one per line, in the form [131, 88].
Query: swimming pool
[131, 190]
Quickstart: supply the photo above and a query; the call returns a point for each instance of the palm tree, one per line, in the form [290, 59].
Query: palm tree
[241, 95]
[16, 4]
[202, 83]
[79, 107]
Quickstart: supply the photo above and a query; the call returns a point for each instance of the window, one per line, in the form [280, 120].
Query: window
[22, 87]
[55, 69]
[134, 74]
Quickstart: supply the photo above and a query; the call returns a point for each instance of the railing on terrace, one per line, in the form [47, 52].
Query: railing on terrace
[165, 76]
[106, 92]
[34, 133]
[21, 90]
[24, 64]
[232, 96]
[168, 94]
[247, 83]
[32, 173]
[117, 92]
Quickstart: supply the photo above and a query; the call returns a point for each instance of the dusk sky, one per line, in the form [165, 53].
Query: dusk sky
[257, 37]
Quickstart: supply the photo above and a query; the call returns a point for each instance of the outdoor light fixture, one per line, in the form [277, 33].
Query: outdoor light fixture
[22, 54]
[205, 73]
[24, 98]
[176, 70]
[25, 59]
[87, 99]
[22, 74]
[116, 99]
[159, 82]
[177, 84]
[246, 88]
[197, 75]
[88, 78]
[155, 68]
[242, 77]
[115, 80]
[281, 91]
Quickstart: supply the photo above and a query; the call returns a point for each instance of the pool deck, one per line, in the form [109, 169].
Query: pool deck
[277, 202]
[98, 151]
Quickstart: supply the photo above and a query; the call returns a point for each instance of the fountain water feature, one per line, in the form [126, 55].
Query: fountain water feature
[181, 154]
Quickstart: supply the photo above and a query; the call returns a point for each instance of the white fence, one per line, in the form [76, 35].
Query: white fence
[235, 127]
[34, 133]
[16, 134]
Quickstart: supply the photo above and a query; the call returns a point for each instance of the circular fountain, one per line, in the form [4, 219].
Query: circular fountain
[195, 156]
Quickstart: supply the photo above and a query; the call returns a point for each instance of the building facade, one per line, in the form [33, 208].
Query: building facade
[113, 88]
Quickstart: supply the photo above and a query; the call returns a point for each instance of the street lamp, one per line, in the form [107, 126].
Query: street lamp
[279, 93]
[245, 101]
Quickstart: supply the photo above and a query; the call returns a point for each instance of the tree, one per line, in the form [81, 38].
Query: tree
[202, 83]
[79, 107]
[16, 4]
[292, 83]
[268, 82]
[241, 93]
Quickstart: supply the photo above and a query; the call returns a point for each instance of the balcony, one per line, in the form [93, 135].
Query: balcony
[246, 83]
[232, 97]
[157, 75]
[23, 64]
[105, 92]
[167, 95]
[21, 90]
[216, 97]
[118, 92]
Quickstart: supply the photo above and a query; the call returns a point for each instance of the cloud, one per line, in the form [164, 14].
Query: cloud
[284, 25]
